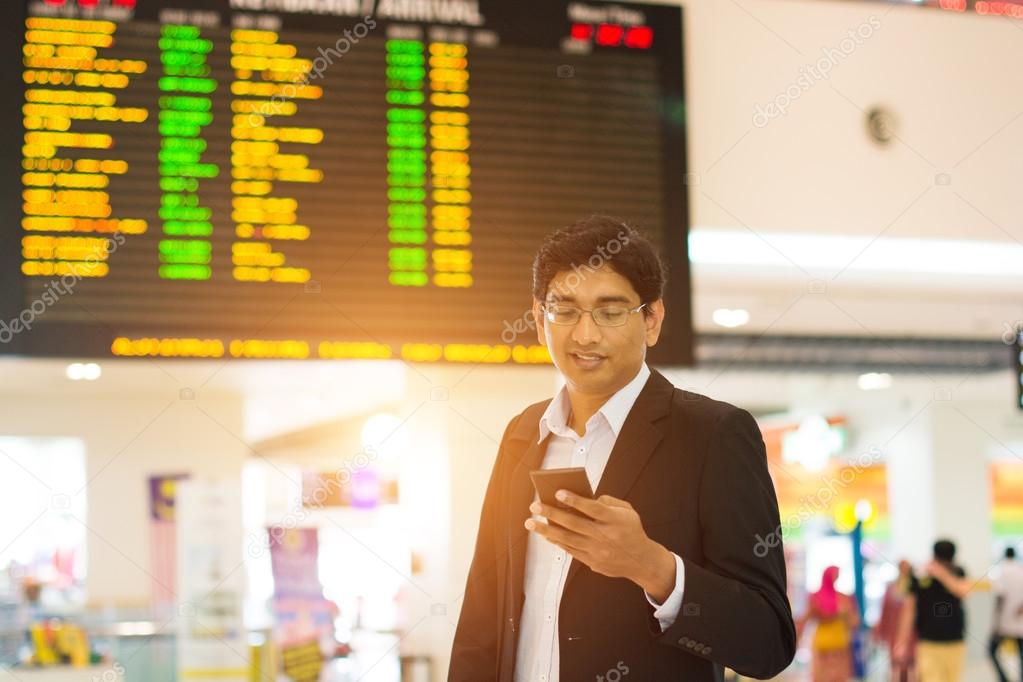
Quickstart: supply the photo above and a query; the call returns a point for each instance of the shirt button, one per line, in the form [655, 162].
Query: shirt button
[549, 617]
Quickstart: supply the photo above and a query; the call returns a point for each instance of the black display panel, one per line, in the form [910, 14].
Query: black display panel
[1018, 354]
[325, 178]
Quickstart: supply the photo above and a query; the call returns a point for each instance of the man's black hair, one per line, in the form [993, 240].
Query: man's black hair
[945, 550]
[594, 241]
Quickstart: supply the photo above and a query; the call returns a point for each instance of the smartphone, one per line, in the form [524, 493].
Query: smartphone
[549, 481]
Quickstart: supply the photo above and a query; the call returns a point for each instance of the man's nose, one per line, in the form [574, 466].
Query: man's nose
[586, 331]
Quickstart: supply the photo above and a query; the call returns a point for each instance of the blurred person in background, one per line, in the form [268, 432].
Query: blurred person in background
[935, 606]
[1008, 618]
[887, 629]
[837, 618]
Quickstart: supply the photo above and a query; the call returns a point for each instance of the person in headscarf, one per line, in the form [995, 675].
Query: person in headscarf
[837, 618]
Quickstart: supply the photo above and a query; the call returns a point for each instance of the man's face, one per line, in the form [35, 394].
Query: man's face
[596, 359]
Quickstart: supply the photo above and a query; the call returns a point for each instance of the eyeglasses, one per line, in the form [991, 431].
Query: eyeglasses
[605, 316]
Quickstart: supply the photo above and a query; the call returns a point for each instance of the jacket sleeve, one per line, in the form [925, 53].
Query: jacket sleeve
[735, 610]
[476, 645]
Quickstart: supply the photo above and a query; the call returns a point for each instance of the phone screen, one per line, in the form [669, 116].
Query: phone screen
[549, 481]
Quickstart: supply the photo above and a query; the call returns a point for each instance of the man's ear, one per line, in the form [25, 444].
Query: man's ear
[540, 320]
[654, 321]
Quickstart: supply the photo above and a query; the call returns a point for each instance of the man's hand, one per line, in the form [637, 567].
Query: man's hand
[959, 587]
[607, 535]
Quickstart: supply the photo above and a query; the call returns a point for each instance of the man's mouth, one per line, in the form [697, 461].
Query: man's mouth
[587, 360]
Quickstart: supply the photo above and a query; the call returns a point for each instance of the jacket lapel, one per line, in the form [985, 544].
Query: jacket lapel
[640, 434]
[520, 494]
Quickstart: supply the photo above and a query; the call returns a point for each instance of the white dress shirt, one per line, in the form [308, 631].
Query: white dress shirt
[1009, 586]
[537, 656]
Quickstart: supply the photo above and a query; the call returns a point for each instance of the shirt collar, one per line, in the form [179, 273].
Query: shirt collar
[615, 410]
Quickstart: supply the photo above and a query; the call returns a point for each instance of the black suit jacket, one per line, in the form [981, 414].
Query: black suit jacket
[695, 469]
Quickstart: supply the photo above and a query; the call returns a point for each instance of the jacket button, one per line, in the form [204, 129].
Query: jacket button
[683, 640]
[706, 651]
[690, 644]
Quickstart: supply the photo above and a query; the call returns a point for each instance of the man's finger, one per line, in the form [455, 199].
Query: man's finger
[560, 536]
[569, 519]
[613, 502]
[575, 551]
[592, 508]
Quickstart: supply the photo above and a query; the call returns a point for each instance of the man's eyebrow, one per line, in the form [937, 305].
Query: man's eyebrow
[607, 298]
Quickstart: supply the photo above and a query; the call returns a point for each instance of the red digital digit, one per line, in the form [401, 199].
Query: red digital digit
[582, 31]
[609, 34]
[639, 37]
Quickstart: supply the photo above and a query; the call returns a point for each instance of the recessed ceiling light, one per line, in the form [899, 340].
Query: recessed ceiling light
[874, 381]
[726, 317]
[83, 371]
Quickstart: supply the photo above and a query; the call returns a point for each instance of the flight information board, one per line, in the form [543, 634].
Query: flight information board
[325, 178]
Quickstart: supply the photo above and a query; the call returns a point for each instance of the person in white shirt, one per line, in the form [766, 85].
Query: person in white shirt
[1008, 620]
[675, 568]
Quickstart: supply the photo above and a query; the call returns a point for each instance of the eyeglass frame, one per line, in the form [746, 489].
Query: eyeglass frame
[630, 311]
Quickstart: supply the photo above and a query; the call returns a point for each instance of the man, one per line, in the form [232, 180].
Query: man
[665, 574]
[935, 607]
[1008, 610]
